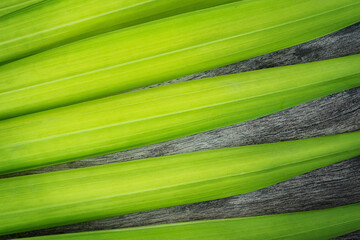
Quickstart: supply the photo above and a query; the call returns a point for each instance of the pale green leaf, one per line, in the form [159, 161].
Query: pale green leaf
[318, 225]
[56, 22]
[9, 6]
[154, 115]
[162, 50]
[65, 197]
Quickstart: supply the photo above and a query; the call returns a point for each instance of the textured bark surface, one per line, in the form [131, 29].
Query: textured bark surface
[331, 186]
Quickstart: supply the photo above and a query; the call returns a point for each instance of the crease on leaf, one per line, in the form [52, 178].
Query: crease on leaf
[37, 94]
[171, 52]
[178, 112]
[79, 21]
[171, 186]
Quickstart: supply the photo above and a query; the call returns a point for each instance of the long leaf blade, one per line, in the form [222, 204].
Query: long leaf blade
[165, 49]
[154, 115]
[7, 7]
[319, 224]
[54, 23]
[59, 198]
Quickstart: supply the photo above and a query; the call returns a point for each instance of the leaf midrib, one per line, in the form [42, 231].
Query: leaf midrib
[175, 113]
[75, 22]
[171, 52]
[265, 170]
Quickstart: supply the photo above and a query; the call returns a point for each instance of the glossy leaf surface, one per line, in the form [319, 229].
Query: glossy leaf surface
[56, 22]
[65, 197]
[154, 115]
[10, 6]
[319, 225]
[163, 50]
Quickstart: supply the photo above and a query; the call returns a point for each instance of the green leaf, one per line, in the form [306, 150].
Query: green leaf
[320, 225]
[154, 115]
[56, 22]
[9, 6]
[65, 197]
[165, 49]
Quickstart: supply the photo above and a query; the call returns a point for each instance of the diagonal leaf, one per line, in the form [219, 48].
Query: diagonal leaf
[9, 6]
[154, 115]
[56, 22]
[65, 197]
[320, 225]
[165, 49]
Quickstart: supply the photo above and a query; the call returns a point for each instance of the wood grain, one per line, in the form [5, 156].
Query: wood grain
[331, 186]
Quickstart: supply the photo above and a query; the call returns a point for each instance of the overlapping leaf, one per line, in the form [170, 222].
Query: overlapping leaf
[154, 115]
[319, 225]
[56, 22]
[162, 50]
[59, 198]
[9, 6]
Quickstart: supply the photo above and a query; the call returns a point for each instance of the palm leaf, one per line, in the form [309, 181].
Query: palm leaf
[154, 115]
[319, 225]
[56, 22]
[9, 6]
[65, 197]
[162, 50]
